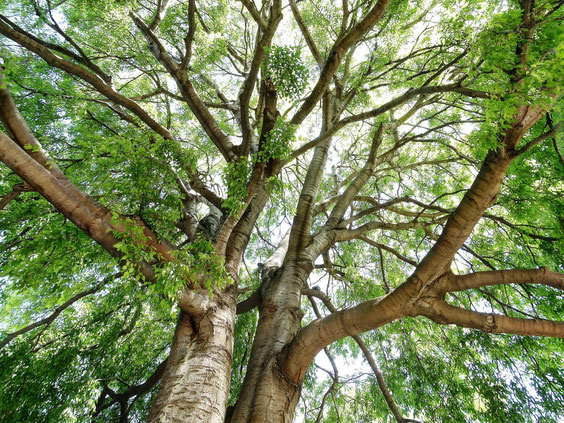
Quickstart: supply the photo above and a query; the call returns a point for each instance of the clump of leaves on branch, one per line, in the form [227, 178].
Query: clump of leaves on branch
[284, 68]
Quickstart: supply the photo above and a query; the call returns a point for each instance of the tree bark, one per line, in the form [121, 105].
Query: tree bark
[195, 385]
[266, 395]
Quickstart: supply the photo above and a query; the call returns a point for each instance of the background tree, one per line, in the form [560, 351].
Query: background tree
[197, 198]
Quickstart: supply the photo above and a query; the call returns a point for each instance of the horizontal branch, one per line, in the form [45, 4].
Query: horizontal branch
[386, 107]
[415, 92]
[249, 303]
[348, 234]
[542, 276]
[16, 191]
[443, 313]
[388, 249]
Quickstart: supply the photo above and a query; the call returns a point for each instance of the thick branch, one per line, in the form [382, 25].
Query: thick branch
[90, 216]
[542, 276]
[443, 313]
[477, 199]
[82, 59]
[248, 304]
[250, 6]
[300, 235]
[161, 9]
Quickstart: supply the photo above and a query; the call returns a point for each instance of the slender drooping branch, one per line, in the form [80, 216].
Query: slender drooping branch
[388, 249]
[49, 319]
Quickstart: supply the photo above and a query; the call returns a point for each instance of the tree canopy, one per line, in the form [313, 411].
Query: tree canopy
[199, 197]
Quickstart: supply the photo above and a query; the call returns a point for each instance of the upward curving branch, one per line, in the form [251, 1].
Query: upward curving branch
[189, 94]
[358, 183]
[264, 39]
[365, 351]
[335, 57]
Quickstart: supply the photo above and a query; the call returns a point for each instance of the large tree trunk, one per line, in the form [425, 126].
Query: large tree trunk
[195, 385]
[266, 395]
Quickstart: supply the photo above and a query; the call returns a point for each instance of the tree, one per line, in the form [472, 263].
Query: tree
[197, 198]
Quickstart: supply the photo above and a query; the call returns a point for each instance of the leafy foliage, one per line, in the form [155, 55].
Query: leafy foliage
[116, 334]
[285, 70]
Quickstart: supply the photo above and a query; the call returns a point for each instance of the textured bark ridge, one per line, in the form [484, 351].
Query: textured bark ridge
[195, 384]
[266, 394]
